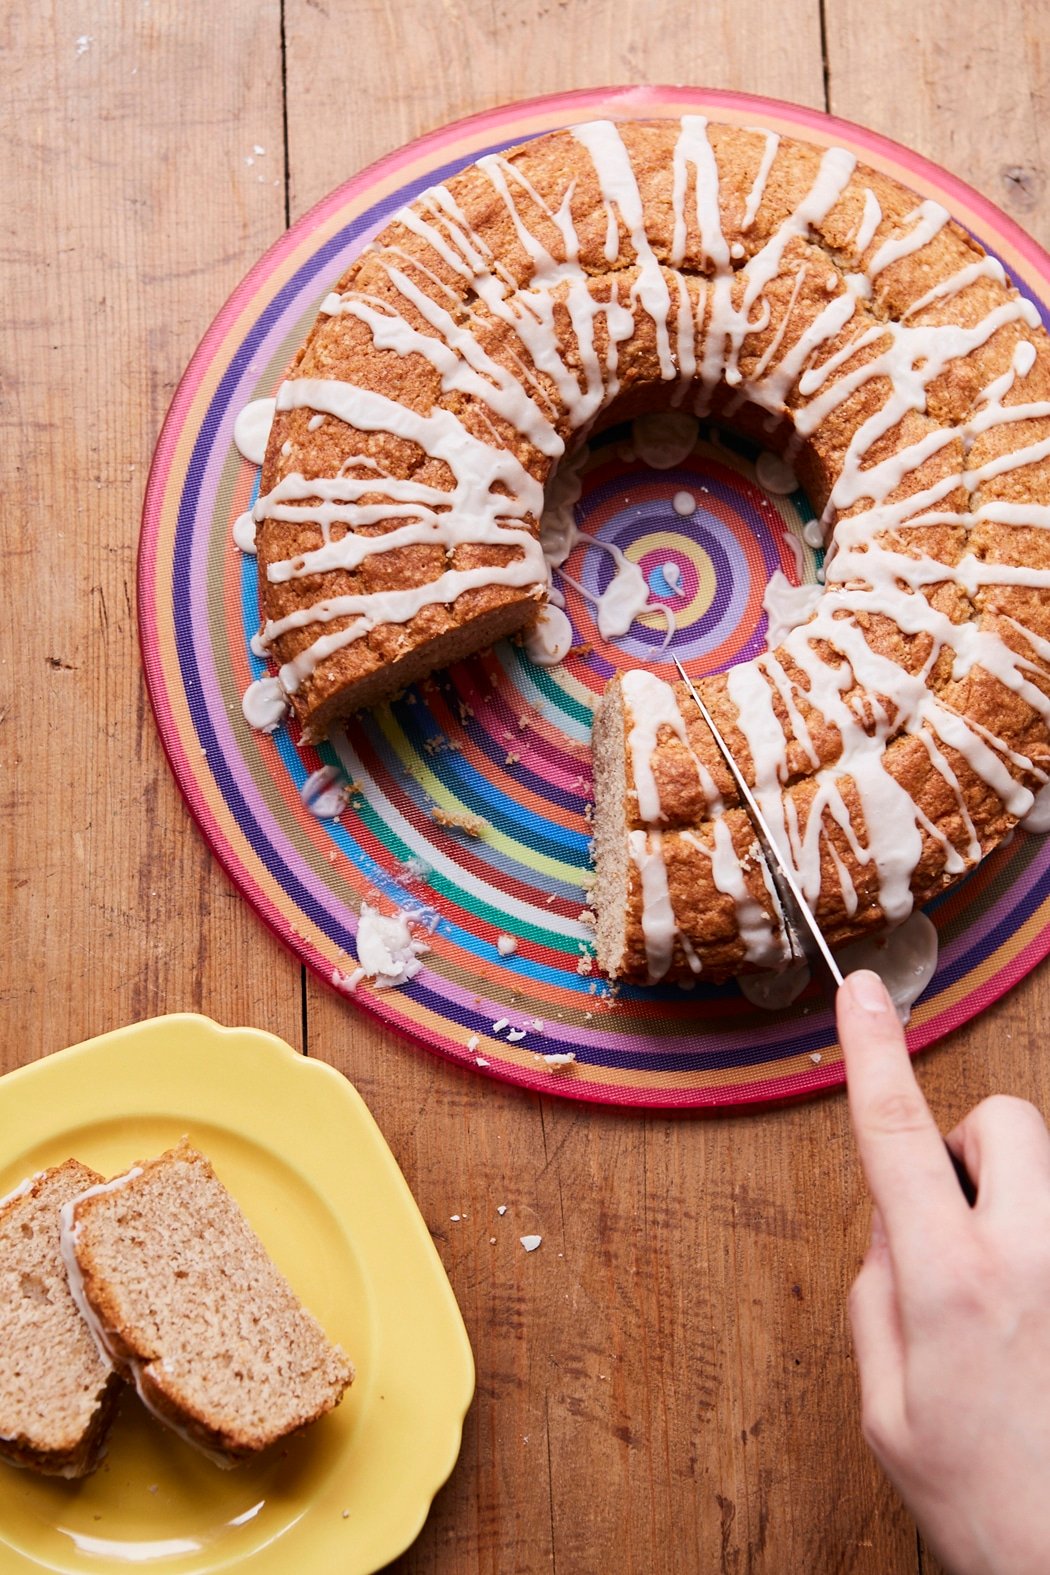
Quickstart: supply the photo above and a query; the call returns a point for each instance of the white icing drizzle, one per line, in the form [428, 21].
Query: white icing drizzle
[787, 606]
[870, 220]
[755, 195]
[930, 218]
[652, 704]
[251, 429]
[765, 942]
[23, 1189]
[876, 568]
[67, 1240]
[625, 598]
[658, 921]
[1038, 818]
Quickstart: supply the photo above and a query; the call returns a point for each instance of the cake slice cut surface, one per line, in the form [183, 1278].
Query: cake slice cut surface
[182, 1295]
[57, 1394]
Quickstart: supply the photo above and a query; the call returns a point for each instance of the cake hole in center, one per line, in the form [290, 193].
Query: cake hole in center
[670, 534]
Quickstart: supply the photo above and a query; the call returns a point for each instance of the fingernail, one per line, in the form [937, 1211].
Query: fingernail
[867, 991]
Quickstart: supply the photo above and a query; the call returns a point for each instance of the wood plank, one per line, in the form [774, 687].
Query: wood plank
[666, 1384]
[414, 66]
[969, 90]
[129, 213]
[973, 102]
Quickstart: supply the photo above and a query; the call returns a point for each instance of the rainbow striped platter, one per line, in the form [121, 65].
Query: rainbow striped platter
[498, 742]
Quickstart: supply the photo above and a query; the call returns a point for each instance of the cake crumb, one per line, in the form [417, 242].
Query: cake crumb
[502, 1209]
[816, 1057]
[499, 1025]
[505, 944]
[560, 1060]
[530, 1243]
[514, 1034]
[473, 1042]
[457, 821]
[479, 1060]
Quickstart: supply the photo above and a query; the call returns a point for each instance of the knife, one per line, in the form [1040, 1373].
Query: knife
[797, 912]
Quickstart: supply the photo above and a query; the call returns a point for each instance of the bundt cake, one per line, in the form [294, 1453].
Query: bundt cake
[609, 269]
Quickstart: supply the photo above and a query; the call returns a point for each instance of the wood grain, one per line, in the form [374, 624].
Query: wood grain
[130, 214]
[936, 80]
[667, 1383]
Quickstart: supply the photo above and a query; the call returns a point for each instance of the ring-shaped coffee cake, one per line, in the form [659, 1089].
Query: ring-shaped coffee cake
[594, 273]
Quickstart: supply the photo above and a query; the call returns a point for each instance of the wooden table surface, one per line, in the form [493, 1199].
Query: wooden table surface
[668, 1384]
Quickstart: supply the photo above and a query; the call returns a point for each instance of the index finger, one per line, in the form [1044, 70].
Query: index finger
[901, 1149]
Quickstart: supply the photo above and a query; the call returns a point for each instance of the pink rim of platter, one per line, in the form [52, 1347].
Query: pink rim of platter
[497, 738]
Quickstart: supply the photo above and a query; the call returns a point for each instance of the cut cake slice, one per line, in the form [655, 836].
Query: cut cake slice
[57, 1394]
[181, 1294]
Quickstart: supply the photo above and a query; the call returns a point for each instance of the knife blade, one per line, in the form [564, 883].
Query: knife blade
[797, 912]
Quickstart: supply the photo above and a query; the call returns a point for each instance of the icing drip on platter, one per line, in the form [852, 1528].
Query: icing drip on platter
[549, 641]
[324, 792]
[387, 953]
[251, 430]
[775, 992]
[625, 598]
[774, 475]
[244, 532]
[664, 440]
[905, 960]
[265, 705]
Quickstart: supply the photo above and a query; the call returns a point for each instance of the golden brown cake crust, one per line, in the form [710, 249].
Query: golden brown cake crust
[611, 268]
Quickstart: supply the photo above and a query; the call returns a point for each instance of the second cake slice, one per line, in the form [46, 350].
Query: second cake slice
[181, 1294]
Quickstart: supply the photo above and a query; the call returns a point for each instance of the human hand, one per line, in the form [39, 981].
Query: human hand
[951, 1308]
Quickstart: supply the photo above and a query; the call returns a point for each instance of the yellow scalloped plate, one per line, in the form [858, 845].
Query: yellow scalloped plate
[296, 1146]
